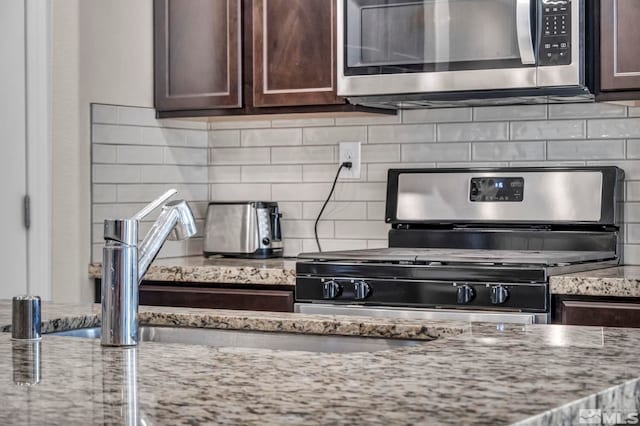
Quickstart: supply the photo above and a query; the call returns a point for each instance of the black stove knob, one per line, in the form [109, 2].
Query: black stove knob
[465, 294]
[499, 295]
[361, 289]
[331, 290]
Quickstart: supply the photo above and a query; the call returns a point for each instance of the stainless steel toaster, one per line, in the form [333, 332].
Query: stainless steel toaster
[243, 229]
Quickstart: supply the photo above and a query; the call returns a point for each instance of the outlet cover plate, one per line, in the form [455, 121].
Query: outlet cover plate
[350, 151]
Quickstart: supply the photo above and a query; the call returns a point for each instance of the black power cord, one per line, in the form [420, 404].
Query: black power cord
[347, 165]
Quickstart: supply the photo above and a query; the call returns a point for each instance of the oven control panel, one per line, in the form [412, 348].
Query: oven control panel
[555, 38]
[525, 297]
[496, 189]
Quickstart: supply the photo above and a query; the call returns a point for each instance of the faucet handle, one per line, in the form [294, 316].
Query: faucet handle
[154, 204]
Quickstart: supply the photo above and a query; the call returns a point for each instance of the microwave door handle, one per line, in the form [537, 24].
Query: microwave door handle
[524, 32]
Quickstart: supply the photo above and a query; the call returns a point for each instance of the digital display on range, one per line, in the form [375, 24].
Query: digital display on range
[497, 189]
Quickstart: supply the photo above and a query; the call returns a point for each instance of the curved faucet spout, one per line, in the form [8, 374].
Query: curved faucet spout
[176, 220]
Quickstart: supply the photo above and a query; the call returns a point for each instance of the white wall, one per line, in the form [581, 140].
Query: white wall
[102, 51]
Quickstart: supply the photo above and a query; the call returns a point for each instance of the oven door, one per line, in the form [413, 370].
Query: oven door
[410, 46]
[424, 314]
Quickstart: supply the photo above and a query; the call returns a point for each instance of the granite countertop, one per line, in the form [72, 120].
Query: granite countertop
[199, 269]
[621, 281]
[463, 374]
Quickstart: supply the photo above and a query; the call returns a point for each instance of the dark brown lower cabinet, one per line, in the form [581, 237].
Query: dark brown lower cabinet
[211, 296]
[597, 311]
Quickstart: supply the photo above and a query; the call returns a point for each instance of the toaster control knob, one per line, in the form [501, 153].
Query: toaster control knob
[465, 294]
[266, 241]
[499, 295]
[331, 290]
[361, 289]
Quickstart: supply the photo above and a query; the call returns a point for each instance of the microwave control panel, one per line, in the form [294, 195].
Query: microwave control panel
[555, 40]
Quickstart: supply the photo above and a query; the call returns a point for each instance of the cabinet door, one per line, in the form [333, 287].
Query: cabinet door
[294, 52]
[605, 314]
[197, 54]
[620, 44]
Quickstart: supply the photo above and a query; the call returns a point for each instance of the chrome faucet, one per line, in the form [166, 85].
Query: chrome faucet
[124, 263]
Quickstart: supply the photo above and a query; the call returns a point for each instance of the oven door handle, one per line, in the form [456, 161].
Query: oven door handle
[524, 32]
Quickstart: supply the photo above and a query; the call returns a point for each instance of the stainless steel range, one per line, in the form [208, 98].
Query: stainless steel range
[472, 244]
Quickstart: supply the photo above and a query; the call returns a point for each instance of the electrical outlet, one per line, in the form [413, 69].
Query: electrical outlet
[350, 151]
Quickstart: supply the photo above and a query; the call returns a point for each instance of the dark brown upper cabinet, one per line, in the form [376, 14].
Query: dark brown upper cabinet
[620, 45]
[234, 57]
[294, 52]
[197, 54]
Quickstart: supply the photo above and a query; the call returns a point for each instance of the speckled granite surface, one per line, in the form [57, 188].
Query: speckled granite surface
[482, 374]
[279, 271]
[622, 281]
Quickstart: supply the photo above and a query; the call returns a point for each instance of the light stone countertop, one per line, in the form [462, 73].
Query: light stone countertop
[621, 281]
[224, 270]
[470, 374]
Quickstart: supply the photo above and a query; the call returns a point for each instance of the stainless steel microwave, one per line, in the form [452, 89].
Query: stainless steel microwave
[414, 52]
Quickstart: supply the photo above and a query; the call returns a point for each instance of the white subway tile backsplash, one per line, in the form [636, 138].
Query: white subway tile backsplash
[240, 192]
[104, 193]
[242, 158]
[380, 153]
[586, 150]
[633, 149]
[406, 133]
[361, 191]
[464, 132]
[510, 112]
[376, 210]
[536, 130]
[303, 155]
[377, 172]
[444, 115]
[224, 138]
[103, 173]
[140, 155]
[365, 119]
[586, 110]
[614, 128]
[291, 210]
[271, 137]
[173, 174]
[224, 174]
[110, 134]
[334, 135]
[292, 247]
[327, 172]
[174, 137]
[148, 192]
[299, 191]
[103, 154]
[507, 151]
[304, 228]
[436, 152]
[230, 156]
[107, 114]
[369, 229]
[260, 174]
[335, 210]
[185, 156]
